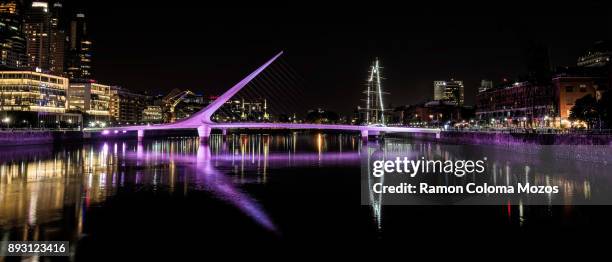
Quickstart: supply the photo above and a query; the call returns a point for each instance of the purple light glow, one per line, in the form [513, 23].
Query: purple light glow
[212, 180]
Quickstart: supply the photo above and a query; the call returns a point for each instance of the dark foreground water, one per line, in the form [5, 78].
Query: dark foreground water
[266, 193]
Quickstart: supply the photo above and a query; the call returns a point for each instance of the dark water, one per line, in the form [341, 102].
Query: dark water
[260, 192]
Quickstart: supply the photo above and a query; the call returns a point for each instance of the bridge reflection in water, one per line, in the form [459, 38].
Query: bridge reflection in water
[46, 192]
[42, 185]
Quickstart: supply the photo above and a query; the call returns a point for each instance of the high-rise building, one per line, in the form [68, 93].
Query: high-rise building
[58, 39]
[449, 90]
[45, 37]
[78, 60]
[12, 39]
[37, 28]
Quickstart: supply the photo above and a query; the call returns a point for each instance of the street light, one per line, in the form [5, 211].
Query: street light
[7, 121]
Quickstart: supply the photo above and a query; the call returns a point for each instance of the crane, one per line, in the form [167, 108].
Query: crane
[173, 99]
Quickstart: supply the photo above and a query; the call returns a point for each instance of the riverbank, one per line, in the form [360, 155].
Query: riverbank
[38, 137]
[583, 147]
[512, 139]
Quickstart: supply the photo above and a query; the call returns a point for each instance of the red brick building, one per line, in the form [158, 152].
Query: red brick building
[528, 105]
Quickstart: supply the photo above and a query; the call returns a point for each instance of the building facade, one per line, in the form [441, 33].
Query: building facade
[255, 110]
[37, 28]
[152, 114]
[12, 38]
[35, 99]
[58, 39]
[127, 107]
[526, 104]
[433, 113]
[449, 91]
[522, 104]
[78, 59]
[485, 85]
[598, 56]
[91, 99]
[568, 89]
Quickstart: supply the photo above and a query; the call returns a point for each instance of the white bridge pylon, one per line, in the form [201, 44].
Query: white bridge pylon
[203, 123]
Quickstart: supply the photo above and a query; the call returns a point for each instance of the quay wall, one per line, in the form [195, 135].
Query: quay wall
[583, 147]
[16, 138]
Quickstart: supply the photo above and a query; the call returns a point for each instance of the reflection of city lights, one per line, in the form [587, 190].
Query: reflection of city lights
[319, 143]
[99, 172]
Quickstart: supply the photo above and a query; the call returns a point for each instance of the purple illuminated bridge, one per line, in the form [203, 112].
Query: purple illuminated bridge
[203, 123]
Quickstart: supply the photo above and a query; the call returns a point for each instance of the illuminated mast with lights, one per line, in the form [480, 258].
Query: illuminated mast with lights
[374, 110]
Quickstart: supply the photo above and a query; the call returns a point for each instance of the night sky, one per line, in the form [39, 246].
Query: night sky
[158, 46]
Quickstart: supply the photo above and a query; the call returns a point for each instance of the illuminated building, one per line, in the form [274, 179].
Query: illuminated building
[126, 107]
[244, 110]
[570, 88]
[321, 116]
[256, 110]
[525, 104]
[196, 99]
[522, 104]
[485, 85]
[58, 38]
[34, 99]
[92, 99]
[78, 58]
[12, 39]
[432, 113]
[37, 29]
[152, 114]
[449, 91]
[598, 56]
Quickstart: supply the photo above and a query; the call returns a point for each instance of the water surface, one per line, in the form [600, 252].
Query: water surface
[259, 190]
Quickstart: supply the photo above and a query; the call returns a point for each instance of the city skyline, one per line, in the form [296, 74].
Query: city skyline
[220, 39]
[200, 72]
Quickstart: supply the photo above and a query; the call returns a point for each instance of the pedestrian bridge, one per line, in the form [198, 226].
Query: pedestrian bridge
[203, 123]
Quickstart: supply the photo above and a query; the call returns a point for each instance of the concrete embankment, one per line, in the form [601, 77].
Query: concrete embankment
[499, 138]
[17, 138]
[584, 147]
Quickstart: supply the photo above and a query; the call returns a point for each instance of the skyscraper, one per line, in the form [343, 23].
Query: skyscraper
[12, 39]
[79, 49]
[37, 29]
[58, 38]
[45, 37]
[450, 91]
